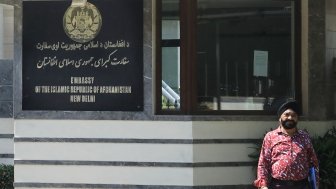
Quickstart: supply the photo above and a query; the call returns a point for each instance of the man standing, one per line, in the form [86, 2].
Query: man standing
[286, 154]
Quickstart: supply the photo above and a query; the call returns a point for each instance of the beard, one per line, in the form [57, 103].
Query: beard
[288, 124]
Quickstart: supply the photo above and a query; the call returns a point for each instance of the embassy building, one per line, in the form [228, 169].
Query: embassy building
[159, 94]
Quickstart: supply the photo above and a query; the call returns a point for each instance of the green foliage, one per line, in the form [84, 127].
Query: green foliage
[166, 104]
[325, 148]
[6, 176]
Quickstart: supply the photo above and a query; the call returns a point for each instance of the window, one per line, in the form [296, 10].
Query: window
[226, 56]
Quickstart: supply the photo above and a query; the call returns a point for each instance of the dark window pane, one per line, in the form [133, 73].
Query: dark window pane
[171, 77]
[170, 55]
[245, 53]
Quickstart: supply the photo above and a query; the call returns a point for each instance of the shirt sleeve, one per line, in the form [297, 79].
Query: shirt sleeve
[264, 164]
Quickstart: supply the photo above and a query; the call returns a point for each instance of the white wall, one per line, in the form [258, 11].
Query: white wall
[6, 141]
[102, 152]
[234, 152]
[1, 32]
[6, 31]
[116, 149]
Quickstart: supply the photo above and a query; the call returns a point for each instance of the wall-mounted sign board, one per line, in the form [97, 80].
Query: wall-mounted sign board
[82, 57]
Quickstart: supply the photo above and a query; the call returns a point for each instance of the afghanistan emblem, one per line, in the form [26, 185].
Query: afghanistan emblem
[82, 23]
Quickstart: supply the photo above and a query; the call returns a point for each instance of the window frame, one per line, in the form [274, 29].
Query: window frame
[188, 59]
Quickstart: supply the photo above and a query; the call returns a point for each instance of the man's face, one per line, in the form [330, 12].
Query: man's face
[289, 119]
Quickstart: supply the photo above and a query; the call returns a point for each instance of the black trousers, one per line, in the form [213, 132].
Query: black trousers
[282, 184]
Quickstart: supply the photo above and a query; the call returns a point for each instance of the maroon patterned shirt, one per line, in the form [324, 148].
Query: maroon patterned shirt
[285, 158]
